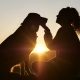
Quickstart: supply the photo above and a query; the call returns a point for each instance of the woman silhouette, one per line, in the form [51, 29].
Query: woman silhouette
[66, 43]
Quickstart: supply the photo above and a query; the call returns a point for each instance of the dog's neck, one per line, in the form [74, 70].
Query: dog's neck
[25, 30]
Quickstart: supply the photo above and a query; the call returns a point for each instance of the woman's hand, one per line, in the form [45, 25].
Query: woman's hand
[47, 35]
[45, 27]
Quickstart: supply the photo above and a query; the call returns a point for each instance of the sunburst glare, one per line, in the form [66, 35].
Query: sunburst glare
[40, 49]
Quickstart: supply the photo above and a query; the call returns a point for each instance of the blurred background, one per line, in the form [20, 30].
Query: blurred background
[13, 12]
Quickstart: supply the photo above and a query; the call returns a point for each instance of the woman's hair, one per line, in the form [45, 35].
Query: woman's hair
[71, 15]
[75, 17]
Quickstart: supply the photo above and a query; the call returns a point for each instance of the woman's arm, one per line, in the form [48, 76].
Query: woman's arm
[51, 43]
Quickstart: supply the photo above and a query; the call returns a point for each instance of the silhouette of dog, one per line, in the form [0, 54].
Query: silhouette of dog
[17, 47]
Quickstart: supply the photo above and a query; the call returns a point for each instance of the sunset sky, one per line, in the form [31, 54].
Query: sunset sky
[13, 12]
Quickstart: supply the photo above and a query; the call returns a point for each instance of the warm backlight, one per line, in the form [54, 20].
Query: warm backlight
[40, 49]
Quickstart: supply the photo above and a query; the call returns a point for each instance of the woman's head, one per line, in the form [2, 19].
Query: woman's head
[69, 16]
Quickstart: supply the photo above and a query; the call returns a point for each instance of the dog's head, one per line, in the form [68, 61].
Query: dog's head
[34, 20]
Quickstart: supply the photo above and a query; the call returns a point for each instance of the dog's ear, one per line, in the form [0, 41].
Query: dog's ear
[34, 28]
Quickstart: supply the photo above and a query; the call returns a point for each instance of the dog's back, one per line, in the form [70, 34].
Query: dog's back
[16, 47]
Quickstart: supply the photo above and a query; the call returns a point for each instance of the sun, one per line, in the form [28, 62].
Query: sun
[40, 49]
